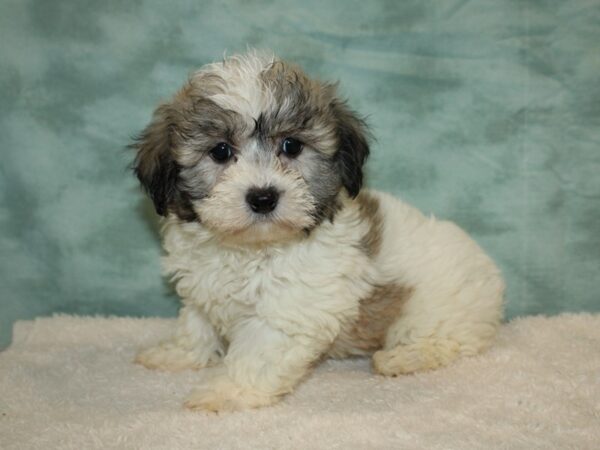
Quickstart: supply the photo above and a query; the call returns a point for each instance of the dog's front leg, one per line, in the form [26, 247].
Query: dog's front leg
[262, 364]
[194, 345]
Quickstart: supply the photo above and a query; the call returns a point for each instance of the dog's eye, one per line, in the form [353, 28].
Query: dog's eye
[291, 147]
[221, 153]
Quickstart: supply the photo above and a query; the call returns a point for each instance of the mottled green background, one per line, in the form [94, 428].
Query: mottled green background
[486, 112]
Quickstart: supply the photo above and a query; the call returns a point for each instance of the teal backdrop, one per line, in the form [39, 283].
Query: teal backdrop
[486, 112]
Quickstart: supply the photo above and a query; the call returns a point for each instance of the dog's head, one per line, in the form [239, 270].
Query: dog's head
[253, 149]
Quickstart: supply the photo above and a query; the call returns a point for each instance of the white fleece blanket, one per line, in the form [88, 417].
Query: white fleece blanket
[69, 383]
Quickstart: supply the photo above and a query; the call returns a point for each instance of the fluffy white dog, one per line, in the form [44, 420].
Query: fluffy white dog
[278, 255]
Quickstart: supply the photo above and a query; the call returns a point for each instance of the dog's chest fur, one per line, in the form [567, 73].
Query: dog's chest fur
[315, 284]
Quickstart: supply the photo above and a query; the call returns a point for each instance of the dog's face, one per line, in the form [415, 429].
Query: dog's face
[253, 149]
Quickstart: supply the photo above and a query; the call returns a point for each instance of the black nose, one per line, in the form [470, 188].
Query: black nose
[262, 201]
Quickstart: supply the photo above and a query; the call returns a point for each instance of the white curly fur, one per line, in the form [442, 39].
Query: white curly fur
[277, 309]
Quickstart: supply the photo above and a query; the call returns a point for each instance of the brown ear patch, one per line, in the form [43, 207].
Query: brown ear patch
[376, 313]
[353, 149]
[156, 168]
[153, 165]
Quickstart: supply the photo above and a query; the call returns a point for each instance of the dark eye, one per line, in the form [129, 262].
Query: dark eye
[291, 147]
[221, 153]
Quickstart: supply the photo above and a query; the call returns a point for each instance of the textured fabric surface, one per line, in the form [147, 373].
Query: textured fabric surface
[486, 112]
[68, 382]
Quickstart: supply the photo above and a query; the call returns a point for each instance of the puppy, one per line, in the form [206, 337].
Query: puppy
[280, 258]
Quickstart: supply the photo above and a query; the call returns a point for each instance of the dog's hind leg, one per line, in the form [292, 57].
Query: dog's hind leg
[431, 334]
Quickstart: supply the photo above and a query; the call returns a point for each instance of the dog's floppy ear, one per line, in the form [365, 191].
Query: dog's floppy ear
[154, 165]
[353, 146]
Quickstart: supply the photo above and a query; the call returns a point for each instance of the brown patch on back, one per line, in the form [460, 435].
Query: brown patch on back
[376, 313]
[369, 211]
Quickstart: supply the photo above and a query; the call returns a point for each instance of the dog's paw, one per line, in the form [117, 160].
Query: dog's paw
[406, 359]
[218, 392]
[168, 356]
